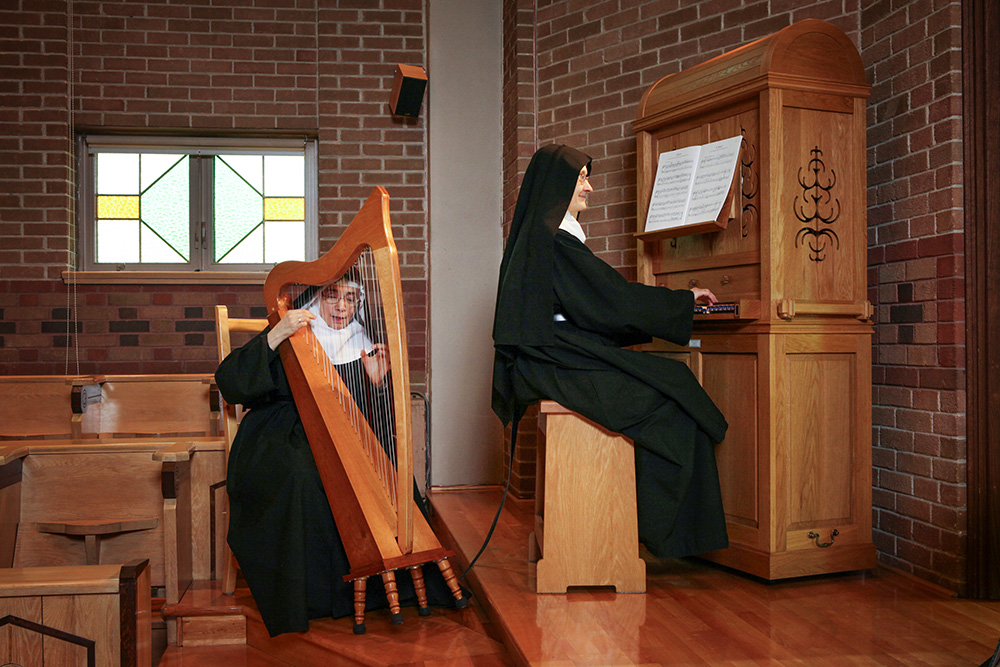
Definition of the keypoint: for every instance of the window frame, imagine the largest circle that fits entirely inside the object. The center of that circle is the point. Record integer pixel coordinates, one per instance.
(201, 151)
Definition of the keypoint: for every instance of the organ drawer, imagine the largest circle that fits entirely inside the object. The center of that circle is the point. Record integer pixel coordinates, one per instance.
(728, 283)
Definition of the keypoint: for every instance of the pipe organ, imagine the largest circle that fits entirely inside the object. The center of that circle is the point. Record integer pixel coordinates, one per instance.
(787, 353)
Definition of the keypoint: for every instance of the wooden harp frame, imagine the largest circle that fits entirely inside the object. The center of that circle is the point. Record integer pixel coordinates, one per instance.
(378, 538)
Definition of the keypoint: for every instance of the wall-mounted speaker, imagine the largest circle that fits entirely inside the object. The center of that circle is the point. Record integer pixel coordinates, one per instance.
(408, 90)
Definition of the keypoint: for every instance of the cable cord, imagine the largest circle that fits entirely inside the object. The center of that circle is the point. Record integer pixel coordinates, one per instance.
(506, 490)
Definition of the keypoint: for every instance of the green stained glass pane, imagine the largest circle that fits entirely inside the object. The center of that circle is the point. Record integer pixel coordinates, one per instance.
(249, 167)
(153, 249)
(284, 176)
(154, 165)
(248, 251)
(238, 210)
(166, 209)
(117, 173)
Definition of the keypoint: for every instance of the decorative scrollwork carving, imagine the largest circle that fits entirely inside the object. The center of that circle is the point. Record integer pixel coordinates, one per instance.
(817, 208)
(749, 184)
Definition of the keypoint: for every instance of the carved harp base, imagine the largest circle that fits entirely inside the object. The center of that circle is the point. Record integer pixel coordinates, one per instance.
(392, 594)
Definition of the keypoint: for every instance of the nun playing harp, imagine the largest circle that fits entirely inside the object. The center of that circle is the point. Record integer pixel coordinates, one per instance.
(563, 318)
(281, 528)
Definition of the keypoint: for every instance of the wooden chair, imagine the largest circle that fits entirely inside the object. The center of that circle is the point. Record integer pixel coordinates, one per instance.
(225, 326)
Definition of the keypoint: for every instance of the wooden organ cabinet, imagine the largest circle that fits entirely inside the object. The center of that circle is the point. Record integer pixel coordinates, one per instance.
(790, 364)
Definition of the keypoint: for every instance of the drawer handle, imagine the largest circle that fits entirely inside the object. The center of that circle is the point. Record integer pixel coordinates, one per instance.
(725, 280)
(823, 545)
(693, 282)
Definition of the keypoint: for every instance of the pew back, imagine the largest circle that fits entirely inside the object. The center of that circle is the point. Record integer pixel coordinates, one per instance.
(36, 406)
(164, 405)
(89, 614)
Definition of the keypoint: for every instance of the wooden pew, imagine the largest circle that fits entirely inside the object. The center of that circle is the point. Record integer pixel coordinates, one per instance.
(140, 479)
(115, 407)
(42, 406)
(108, 406)
(97, 615)
(157, 405)
(74, 502)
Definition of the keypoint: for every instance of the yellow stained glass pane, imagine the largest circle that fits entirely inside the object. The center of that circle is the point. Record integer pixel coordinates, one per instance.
(284, 208)
(118, 207)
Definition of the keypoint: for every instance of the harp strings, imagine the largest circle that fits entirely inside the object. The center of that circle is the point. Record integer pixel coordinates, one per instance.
(362, 400)
(382, 412)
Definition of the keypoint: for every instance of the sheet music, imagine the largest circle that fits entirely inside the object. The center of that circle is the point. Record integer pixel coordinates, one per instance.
(692, 184)
(672, 188)
(713, 178)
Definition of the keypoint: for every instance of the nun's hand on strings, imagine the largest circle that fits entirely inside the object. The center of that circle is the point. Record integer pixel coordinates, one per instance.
(376, 363)
(289, 324)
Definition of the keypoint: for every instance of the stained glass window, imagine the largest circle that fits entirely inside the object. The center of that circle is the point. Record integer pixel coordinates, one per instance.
(261, 215)
(195, 204)
(143, 204)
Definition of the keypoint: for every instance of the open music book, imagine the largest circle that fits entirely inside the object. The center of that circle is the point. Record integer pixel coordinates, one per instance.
(693, 185)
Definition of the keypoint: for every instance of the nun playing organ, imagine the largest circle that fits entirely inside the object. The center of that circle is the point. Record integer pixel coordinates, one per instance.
(562, 322)
(281, 529)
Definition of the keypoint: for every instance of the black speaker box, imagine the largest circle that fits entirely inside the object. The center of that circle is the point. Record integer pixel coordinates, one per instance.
(408, 90)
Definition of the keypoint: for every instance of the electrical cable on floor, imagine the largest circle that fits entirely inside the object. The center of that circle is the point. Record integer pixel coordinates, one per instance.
(506, 490)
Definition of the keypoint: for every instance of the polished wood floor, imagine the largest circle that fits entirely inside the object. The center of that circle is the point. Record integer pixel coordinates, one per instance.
(694, 613)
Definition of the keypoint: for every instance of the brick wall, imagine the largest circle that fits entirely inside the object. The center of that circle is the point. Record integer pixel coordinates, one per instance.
(198, 67)
(916, 280)
(592, 62)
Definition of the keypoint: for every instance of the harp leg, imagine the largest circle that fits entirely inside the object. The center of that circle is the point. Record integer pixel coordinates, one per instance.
(449, 578)
(392, 594)
(417, 573)
(360, 586)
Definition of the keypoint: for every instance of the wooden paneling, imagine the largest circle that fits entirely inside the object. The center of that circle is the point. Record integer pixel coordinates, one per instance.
(730, 380)
(18, 643)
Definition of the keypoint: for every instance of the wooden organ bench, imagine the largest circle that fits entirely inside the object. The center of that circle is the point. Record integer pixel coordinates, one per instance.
(586, 531)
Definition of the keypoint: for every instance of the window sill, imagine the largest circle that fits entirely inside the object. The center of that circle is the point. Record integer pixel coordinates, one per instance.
(164, 277)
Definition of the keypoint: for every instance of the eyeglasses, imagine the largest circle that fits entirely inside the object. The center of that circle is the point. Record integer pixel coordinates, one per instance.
(583, 178)
(349, 298)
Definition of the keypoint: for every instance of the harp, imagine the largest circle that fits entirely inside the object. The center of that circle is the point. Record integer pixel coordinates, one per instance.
(359, 428)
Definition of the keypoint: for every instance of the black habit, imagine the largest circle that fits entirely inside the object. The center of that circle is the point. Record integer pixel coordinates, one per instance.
(563, 318)
(281, 529)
